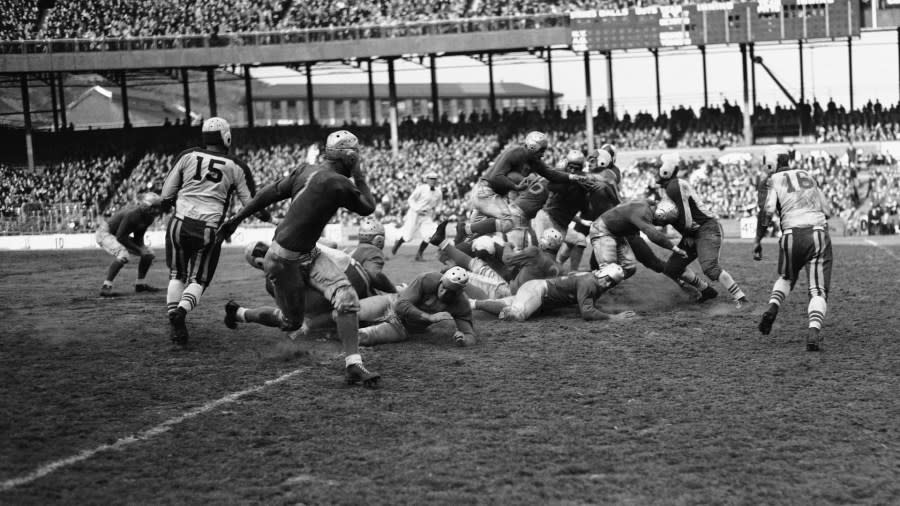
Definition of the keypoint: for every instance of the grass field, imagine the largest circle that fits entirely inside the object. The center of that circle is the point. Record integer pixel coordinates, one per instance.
(685, 405)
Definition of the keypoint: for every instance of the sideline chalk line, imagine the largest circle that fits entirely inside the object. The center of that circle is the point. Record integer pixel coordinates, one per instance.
(882, 248)
(163, 427)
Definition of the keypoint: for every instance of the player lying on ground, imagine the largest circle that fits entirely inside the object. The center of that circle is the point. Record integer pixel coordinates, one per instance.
(424, 202)
(581, 288)
(373, 296)
(200, 187)
(316, 191)
(490, 197)
(431, 298)
(616, 230)
(516, 267)
(795, 197)
(701, 234)
(122, 236)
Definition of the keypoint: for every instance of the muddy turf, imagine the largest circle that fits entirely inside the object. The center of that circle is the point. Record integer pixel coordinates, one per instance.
(685, 405)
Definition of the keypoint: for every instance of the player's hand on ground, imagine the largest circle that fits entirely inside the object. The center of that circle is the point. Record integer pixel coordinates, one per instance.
(678, 251)
(624, 315)
(440, 317)
(757, 251)
(462, 340)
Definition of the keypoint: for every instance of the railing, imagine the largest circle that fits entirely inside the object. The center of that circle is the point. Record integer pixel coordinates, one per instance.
(296, 36)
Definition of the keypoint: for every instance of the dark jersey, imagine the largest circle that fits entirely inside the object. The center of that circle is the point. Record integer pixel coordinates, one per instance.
(691, 213)
(531, 263)
(532, 199)
(598, 202)
(582, 288)
(631, 218)
(317, 193)
(564, 202)
(129, 225)
(419, 300)
(518, 159)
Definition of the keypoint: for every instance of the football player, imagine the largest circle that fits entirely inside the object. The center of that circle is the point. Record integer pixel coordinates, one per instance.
(122, 236)
(430, 298)
(616, 231)
(603, 197)
(424, 202)
(804, 210)
(200, 187)
(316, 192)
(490, 197)
(701, 234)
(581, 288)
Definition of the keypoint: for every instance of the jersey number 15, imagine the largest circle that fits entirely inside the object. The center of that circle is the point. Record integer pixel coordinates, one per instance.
(212, 174)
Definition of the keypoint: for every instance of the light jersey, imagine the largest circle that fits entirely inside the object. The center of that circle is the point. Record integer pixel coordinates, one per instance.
(203, 182)
(424, 200)
(794, 195)
(691, 211)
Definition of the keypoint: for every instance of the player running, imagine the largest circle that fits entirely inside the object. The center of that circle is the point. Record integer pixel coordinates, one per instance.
(700, 231)
(803, 209)
(316, 192)
(490, 197)
(431, 298)
(122, 236)
(602, 197)
(563, 203)
(583, 288)
(200, 187)
(424, 202)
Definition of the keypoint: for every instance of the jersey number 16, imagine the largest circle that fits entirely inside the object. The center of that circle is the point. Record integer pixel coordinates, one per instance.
(803, 181)
(213, 174)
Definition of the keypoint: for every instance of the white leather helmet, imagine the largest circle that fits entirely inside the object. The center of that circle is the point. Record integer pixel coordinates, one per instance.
(371, 231)
(609, 148)
(455, 278)
(220, 126)
(613, 272)
(342, 145)
(776, 158)
(255, 252)
(575, 158)
(604, 159)
(150, 199)
(536, 142)
(666, 212)
(484, 243)
(669, 167)
(550, 240)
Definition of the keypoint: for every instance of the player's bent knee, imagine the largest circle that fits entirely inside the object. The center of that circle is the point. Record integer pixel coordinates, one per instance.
(149, 257)
(712, 271)
(122, 260)
(345, 300)
(286, 324)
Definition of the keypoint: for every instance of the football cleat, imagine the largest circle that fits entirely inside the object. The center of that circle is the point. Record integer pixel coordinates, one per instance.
(706, 294)
(768, 318)
(145, 288)
(106, 291)
(440, 234)
(814, 340)
(231, 320)
(357, 373)
(742, 303)
(179, 332)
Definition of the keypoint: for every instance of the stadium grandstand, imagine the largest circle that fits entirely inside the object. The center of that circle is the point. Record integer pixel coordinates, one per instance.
(66, 58)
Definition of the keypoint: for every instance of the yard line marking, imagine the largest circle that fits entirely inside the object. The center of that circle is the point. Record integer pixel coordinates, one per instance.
(141, 436)
(889, 252)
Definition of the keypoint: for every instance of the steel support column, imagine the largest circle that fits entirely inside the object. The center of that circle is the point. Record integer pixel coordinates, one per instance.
(186, 91)
(850, 67)
(658, 89)
(26, 111)
(310, 113)
(588, 102)
(60, 83)
(248, 96)
(752, 48)
(705, 87)
(392, 92)
(435, 102)
(211, 90)
(51, 81)
(609, 83)
(372, 116)
(551, 98)
(123, 83)
(492, 98)
(802, 81)
(748, 128)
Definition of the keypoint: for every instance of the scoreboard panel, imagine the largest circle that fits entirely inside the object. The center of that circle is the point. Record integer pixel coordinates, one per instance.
(713, 23)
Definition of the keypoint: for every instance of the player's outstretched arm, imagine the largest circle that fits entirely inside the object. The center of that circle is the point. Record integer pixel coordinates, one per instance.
(266, 197)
